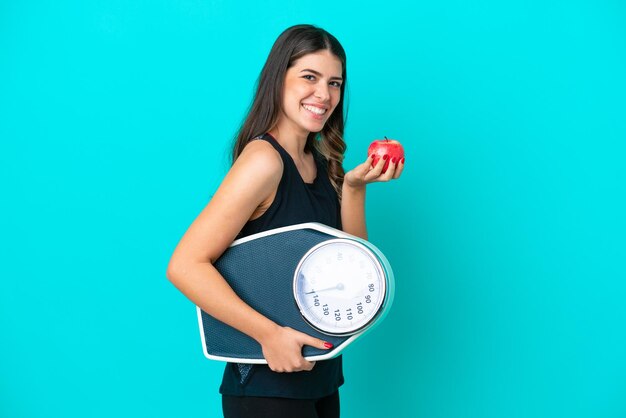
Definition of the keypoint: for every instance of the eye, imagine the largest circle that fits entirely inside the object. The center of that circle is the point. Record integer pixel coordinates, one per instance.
(309, 75)
(336, 84)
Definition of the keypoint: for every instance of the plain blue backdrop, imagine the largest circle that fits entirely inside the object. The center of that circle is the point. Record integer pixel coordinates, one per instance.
(506, 231)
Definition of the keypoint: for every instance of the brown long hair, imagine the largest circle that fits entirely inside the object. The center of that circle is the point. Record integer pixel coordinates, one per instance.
(266, 106)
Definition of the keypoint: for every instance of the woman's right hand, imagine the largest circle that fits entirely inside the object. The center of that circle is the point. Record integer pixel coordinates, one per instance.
(283, 349)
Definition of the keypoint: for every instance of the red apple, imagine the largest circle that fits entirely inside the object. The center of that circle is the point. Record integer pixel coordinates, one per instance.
(390, 147)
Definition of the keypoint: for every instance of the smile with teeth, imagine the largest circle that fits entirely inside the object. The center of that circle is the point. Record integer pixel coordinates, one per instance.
(314, 109)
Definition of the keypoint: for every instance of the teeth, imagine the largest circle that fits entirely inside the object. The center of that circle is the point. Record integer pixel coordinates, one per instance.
(315, 110)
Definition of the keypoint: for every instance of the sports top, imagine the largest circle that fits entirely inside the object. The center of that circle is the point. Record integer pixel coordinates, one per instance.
(295, 202)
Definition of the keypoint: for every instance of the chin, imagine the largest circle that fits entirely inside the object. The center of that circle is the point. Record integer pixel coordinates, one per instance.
(314, 127)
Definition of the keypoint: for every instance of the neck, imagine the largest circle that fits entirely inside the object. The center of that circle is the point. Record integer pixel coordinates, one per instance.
(292, 140)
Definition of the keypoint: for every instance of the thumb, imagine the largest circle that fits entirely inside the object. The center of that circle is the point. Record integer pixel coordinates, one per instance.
(366, 165)
(317, 343)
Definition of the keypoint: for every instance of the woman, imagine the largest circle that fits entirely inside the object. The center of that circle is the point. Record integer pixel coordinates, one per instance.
(287, 169)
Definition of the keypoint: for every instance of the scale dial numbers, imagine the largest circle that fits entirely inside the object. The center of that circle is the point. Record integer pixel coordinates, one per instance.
(339, 286)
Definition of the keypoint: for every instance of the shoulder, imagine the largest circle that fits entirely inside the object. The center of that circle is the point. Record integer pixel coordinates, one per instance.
(260, 158)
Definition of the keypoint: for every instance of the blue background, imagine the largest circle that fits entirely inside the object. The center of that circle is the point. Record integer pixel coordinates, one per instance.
(506, 231)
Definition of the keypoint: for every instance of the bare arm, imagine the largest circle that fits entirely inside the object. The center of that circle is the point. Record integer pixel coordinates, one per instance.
(353, 210)
(253, 178)
(353, 193)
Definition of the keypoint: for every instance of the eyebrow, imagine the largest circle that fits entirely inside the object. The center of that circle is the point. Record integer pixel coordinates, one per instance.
(317, 73)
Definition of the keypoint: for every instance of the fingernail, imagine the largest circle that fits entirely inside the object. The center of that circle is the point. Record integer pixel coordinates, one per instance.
(393, 160)
(385, 157)
(328, 345)
(402, 161)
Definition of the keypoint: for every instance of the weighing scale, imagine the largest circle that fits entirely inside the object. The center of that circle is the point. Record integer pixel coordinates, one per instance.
(310, 277)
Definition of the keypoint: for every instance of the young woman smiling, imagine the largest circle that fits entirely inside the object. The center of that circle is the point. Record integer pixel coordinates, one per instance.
(287, 169)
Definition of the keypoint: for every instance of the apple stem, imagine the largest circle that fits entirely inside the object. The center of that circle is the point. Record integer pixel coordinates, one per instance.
(386, 139)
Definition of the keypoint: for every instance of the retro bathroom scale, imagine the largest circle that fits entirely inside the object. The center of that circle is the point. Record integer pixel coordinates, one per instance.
(310, 277)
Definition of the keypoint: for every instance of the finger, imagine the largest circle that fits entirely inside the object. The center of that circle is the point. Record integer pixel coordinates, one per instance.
(386, 176)
(309, 366)
(391, 169)
(377, 174)
(399, 169)
(378, 168)
(364, 167)
(275, 368)
(317, 343)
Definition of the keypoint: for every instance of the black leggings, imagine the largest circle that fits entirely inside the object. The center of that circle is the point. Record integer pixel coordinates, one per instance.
(256, 407)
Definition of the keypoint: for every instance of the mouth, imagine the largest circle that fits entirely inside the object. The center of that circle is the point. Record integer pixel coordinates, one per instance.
(315, 112)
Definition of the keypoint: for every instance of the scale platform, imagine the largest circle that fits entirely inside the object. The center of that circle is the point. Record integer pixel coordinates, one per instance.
(276, 272)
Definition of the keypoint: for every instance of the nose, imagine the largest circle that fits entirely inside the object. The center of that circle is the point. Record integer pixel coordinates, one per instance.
(322, 92)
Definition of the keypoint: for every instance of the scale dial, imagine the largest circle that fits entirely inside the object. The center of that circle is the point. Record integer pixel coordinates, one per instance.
(339, 286)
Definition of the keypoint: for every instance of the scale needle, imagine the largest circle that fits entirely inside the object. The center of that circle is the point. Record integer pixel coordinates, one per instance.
(339, 286)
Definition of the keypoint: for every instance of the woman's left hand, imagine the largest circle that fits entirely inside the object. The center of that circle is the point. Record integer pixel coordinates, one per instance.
(364, 173)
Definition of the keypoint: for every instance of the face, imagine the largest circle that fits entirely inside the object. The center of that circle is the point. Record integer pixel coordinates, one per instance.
(312, 91)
